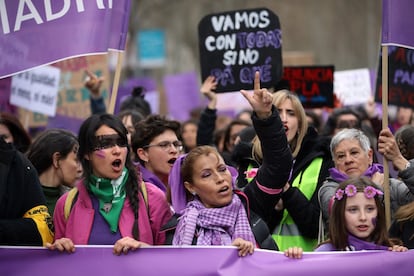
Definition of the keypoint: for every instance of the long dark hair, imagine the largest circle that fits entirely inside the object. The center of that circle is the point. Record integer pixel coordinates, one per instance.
(21, 139)
(86, 140)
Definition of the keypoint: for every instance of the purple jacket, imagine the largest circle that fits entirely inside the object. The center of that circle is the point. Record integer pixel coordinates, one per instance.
(78, 226)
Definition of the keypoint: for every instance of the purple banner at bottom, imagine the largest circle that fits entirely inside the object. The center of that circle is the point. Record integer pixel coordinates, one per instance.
(93, 260)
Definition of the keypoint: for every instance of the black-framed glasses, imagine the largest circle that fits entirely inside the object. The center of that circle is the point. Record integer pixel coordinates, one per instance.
(166, 145)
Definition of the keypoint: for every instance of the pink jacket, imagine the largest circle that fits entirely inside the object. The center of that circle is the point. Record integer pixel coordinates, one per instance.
(78, 226)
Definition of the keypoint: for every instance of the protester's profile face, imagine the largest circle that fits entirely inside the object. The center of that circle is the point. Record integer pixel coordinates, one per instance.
(289, 119)
(6, 134)
(212, 181)
(351, 159)
(69, 168)
(360, 215)
(127, 121)
(109, 154)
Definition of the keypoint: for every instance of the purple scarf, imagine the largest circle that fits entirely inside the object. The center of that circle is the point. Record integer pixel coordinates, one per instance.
(339, 176)
(217, 226)
(356, 244)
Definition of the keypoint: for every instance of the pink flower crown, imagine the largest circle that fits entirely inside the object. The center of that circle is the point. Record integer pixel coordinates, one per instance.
(350, 190)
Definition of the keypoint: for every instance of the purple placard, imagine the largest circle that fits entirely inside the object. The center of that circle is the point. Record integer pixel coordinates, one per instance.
(45, 32)
(64, 122)
(92, 260)
(182, 93)
(398, 23)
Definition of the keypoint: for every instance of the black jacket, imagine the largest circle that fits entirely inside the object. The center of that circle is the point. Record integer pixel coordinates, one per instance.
(20, 191)
(305, 212)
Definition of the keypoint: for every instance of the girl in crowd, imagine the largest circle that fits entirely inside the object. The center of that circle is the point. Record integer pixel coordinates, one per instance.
(357, 220)
(295, 219)
(352, 155)
(54, 155)
(260, 196)
(112, 205)
(156, 146)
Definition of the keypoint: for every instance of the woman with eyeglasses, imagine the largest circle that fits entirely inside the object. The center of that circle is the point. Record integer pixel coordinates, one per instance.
(156, 146)
(112, 205)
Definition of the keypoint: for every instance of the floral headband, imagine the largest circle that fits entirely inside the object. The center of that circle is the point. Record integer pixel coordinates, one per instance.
(350, 190)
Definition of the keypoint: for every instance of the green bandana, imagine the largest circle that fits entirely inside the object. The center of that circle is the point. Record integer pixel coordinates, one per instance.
(111, 196)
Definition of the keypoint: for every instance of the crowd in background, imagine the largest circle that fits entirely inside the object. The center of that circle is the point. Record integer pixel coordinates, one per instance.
(133, 178)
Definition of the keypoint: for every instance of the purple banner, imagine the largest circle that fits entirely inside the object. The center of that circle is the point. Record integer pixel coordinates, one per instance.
(182, 93)
(92, 260)
(35, 33)
(398, 23)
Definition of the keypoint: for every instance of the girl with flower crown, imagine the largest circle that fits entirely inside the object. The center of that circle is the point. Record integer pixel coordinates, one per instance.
(357, 220)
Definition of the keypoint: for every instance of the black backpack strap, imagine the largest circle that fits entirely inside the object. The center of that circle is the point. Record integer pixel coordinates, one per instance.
(259, 227)
(169, 229)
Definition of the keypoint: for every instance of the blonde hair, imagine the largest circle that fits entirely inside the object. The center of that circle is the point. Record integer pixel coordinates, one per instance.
(280, 97)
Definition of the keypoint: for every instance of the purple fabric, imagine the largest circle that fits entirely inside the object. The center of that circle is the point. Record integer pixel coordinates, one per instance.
(182, 93)
(175, 182)
(119, 25)
(93, 260)
(339, 176)
(148, 176)
(217, 226)
(70, 31)
(355, 244)
(397, 23)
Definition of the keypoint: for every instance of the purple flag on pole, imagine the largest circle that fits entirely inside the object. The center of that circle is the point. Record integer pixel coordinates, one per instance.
(93, 260)
(398, 23)
(35, 33)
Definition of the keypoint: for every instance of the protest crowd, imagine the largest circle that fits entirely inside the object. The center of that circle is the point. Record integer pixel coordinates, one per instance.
(283, 174)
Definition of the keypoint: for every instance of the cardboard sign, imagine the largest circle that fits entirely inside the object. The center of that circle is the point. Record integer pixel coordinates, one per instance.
(400, 77)
(234, 45)
(352, 87)
(36, 90)
(313, 84)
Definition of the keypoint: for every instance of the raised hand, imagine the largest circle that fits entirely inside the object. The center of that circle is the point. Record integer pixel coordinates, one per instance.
(260, 99)
(207, 89)
(93, 83)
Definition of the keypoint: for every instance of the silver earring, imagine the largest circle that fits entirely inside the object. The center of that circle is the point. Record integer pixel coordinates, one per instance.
(194, 193)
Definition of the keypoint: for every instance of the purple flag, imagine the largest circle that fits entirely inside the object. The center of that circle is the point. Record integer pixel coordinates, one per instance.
(398, 23)
(94, 260)
(35, 33)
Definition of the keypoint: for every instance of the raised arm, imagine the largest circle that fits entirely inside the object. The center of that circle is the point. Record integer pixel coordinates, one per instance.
(265, 191)
(207, 123)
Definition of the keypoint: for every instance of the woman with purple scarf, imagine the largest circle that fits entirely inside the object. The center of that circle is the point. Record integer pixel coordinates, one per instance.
(209, 209)
(352, 156)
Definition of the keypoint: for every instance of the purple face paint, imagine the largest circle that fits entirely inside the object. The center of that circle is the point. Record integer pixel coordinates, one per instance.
(374, 221)
(100, 153)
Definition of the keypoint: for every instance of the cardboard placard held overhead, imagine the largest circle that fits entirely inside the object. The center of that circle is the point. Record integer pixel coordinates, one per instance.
(400, 77)
(234, 45)
(312, 84)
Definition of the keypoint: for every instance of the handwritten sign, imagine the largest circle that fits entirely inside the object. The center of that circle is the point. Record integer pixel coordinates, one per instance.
(400, 77)
(234, 45)
(36, 90)
(352, 87)
(313, 84)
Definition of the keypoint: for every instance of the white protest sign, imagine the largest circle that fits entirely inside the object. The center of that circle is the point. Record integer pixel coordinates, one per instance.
(352, 87)
(36, 90)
